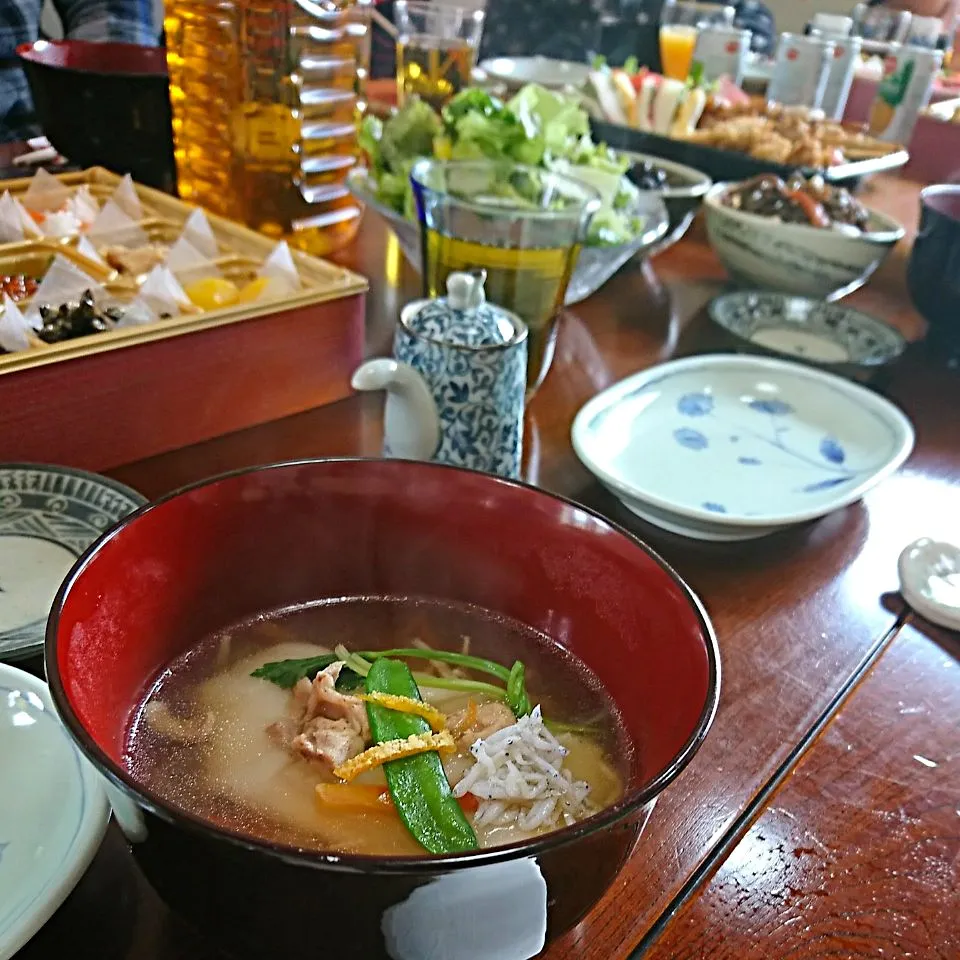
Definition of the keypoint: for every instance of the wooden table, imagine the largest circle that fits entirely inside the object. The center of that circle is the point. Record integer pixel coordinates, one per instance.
(822, 816)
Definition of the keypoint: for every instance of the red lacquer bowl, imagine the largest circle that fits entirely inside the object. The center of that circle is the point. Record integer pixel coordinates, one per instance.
(104, 104)
(252, 541)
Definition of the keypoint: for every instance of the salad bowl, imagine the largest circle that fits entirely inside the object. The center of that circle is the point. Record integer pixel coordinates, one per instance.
(595, 265)
(536, 128)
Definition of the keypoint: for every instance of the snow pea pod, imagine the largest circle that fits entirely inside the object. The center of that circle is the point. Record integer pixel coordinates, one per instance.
(418, 786)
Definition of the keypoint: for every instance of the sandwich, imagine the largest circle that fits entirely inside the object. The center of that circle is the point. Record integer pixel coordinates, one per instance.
(648, 101)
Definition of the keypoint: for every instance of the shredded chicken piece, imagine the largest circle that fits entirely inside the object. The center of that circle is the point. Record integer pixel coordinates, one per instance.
(161, 720)
(322, 699)
(325, 725)
(394, 750)
(477, 723)
(333, 741)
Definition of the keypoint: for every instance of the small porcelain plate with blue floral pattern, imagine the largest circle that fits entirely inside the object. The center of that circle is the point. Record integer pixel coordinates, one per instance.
(53, 810)
(724, 447)
(48, 516)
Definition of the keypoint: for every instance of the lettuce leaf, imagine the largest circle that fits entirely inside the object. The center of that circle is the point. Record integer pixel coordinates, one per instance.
(409, 134)
(480, 125)
(537, 127)
(558, 119)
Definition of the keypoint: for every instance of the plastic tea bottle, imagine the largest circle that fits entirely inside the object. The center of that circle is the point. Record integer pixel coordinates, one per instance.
(843, 65)
(906, 87)
(800, 71)
(265, 96)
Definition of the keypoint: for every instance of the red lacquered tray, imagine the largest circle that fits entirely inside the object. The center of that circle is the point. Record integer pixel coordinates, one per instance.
(100, 401)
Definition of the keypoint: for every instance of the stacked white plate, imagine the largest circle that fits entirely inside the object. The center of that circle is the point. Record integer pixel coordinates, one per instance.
(725, 447)
(517, 72)
(53, 810)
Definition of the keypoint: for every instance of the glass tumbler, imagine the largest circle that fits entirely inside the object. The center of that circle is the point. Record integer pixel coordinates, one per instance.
(436, 50)
(680, 24)
(524, 226)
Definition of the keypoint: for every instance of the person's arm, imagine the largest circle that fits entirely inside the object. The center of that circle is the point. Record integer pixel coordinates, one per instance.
(124, 21)
(951, 17)
(757, 17)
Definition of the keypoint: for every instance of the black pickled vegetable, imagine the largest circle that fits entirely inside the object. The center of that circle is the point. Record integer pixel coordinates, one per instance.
(648, 176)
(79, 319)
(419, 787)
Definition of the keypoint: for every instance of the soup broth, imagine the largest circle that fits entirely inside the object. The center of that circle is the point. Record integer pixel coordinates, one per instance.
(206, 740)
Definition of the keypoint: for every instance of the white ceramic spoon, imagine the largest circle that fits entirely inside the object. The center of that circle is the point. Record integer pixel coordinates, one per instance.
(930, 581)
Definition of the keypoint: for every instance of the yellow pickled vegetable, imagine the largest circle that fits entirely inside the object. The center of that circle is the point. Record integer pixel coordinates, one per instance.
(254, 290)
(408, 705)
(212, 293)
(394, 750)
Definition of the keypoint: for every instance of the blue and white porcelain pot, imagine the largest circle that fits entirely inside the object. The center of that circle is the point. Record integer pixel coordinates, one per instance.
(456, 383)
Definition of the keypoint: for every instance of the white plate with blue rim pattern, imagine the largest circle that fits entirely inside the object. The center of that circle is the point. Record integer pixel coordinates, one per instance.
(725, 447)
(53, 810)
(48, 517)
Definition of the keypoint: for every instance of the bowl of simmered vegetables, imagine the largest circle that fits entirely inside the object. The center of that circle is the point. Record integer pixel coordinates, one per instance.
(799, 236)
(304, 687)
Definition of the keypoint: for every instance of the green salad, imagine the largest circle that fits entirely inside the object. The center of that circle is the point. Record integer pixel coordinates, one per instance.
(537, 128)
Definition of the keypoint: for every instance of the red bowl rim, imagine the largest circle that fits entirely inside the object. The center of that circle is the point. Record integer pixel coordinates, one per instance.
(353, 863)
(31, 52)
(936, 190)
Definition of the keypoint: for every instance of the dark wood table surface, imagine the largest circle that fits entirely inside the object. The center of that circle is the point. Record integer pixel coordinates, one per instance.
(822, 816)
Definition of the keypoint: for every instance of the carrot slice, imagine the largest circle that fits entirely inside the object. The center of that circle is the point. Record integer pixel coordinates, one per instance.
(355, 796)
(469, 719)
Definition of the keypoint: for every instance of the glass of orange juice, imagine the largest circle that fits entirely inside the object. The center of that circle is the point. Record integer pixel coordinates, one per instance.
(680, 24)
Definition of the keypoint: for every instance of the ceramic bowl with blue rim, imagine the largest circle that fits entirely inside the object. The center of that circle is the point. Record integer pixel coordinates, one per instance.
(825, 335)
(53, 809)
(763, 253)
(48, 516)
(727, 447)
